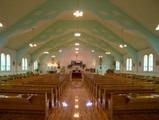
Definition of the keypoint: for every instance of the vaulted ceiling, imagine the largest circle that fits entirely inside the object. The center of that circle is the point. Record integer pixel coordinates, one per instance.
(105, 25)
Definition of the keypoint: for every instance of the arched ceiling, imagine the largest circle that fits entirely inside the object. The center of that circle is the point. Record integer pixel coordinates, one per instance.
(105, 25)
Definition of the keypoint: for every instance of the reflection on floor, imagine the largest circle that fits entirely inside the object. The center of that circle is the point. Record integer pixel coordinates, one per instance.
(76, 103)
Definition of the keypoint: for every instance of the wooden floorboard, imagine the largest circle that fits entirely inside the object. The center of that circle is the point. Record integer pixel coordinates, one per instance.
(76, 93)
(76, 90)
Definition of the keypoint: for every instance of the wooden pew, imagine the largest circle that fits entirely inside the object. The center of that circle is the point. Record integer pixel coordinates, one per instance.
(25, 103)
(133, 103)
(32, 88)
(42, 82)
(44, 85)
(106, 86)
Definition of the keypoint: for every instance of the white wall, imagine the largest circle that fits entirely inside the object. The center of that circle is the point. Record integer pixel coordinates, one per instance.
(91, 60)
(15, 68)
(156, 58)
(13, 59)
(19, 64)
(137, 69)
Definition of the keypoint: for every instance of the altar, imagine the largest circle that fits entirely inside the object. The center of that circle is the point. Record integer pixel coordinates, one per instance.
(76, 69)
(76, 74)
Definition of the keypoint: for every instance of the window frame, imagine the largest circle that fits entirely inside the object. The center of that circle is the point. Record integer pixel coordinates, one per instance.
(117, 65)
(150, 66)
(24, 64)
(129, 64)
(35, 65)
(8, 62)
(4, 67)
(3, 64)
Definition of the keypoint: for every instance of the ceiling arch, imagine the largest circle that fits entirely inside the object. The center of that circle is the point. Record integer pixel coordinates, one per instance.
(92, 26)
(86, 36)
(57, 16)
(87, 40)
(83, 44)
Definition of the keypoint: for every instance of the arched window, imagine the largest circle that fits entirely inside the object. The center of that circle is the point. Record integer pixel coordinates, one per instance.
(3, 62)
(8, 62)
(129, 64)
(35, 65)
(117, 65)
(145, 67)
(148, 62)
(24, 64)
(151, 62)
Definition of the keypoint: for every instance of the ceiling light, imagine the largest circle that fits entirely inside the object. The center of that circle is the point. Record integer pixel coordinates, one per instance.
(31, 45)
(121, 46)
(100, 56)
(77, 44)
(76, 48)
(107, 53)
(157, 28)
(125, 45)
(60, 51)
(1, 25)
(93, 51)
(53, 56)
(78, 13)
(77, 34)
(35, 45)
(46, 52)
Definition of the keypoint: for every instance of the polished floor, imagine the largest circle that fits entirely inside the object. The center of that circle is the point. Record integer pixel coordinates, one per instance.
(76, 104)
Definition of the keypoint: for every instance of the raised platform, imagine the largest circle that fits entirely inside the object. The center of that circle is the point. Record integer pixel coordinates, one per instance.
(76, 75)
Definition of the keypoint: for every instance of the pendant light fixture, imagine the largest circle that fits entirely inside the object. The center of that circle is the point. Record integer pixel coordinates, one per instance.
(122, 35)
(1, 25)
(157, 28)
(78, 13)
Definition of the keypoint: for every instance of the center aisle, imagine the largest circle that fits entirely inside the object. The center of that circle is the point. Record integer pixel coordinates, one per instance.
(76, 104)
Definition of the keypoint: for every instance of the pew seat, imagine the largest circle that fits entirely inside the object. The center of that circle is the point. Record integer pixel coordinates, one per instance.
(133, 103)
(25, 104)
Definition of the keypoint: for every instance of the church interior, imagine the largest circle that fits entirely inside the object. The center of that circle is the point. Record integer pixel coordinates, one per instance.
(79, 59)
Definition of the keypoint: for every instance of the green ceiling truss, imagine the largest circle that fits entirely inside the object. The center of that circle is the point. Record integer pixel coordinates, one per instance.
(50, 10)
(83, 43)
(101, 44)
(93, 39)
(52, 51)
(50, 45)
(116, 14)
(61, 26)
